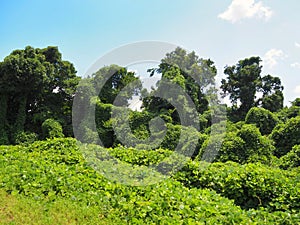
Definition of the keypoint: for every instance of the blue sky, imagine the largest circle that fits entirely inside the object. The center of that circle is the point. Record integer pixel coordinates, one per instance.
(225, 31)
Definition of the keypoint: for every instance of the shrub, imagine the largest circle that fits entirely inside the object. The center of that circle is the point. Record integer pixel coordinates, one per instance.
(291, 159)
(286, 135)
(249, 185)
(262, 118)
(103, 124)
(52, 129)
(256, 145)
(242, 146)
(26, 138)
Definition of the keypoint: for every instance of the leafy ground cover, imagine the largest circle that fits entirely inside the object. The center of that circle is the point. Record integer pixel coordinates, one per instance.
(49, 182)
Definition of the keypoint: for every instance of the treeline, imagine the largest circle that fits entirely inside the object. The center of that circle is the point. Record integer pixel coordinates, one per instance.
(38, 88)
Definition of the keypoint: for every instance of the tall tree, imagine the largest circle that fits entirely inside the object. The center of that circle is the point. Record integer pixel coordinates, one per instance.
(243, 80)
(112, 79)
(272, 98)
(35, 84)
(244, 83)
(191, 73)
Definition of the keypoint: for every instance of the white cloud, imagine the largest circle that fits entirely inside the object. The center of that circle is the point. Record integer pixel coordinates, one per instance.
(241, 9)
(297, 90)
(271, 58)
(135, 103)
(295, 65)
(297, 44)
(132, 71)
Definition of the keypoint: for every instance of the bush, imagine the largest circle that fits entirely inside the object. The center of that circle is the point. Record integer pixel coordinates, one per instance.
(256, 145)
(286, 135)
(26, 138)
(103, 124)
(139, 157)
(52, 129)
(242, 146)
(249, 185)
(55, 171)
(262, 118)
(291, 159)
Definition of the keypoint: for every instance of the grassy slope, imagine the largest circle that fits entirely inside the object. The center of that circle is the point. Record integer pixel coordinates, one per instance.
(50, 183)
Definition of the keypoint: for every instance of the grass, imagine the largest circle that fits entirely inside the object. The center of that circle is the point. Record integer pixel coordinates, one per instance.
(23, 211)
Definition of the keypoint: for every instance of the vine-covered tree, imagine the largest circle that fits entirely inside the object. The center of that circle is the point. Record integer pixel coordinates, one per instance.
(111, 80)
(272, 98)
(35, 84)
(243, 84)
(189, 72)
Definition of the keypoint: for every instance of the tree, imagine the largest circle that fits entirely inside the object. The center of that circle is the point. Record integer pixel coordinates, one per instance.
(296, 102)
(272, 98)
(21, 75)
(244, 83)
(110, 80)
(109, 86)
(35, 84)
(243, 80)
(191, 73)
(290, 112)
(58, 91)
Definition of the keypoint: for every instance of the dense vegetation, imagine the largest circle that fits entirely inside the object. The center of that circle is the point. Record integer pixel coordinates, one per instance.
(242, 168)
(54, 174)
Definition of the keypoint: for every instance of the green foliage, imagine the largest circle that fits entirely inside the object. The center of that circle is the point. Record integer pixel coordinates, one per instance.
(103, 124)
(191, 140)
(239, 145)
(291, 159)
(263, 119)
(191, 73)
(111, 80)
(250, 185)
(255, 144)
(290, 112)
(4, 139)
(172, 136)
(54, 172)
(139, 157)
(52, 129)
(272, 98)
(286, 135)
(26, 138)
(35, 84)
(19, 124)
(242, 84)
(17, 209)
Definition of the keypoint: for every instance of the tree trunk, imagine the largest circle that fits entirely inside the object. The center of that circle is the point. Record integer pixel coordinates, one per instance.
(3, 120)
(21, 116)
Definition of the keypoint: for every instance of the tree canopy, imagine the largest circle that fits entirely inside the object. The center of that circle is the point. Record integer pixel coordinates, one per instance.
(35, 84)
(244, 83)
